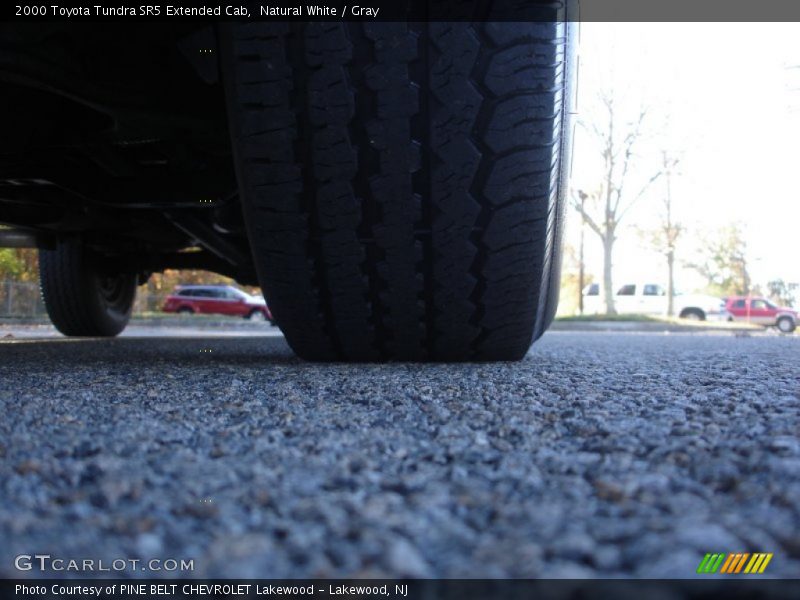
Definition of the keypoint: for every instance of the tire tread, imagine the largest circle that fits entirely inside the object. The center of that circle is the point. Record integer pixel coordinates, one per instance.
(401, 183)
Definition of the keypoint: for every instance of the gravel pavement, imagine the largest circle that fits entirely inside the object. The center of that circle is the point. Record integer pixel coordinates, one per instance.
(598, 455)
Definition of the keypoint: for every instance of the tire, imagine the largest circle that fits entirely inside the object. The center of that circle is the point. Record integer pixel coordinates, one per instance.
(785, 325)
(693, 314)
(81, 297)
(402, 184)
(185, 310)
(256, 315)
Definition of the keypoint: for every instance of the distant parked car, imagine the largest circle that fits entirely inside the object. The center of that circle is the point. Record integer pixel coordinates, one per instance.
(218, 300)
(757, 309)
(651, 299)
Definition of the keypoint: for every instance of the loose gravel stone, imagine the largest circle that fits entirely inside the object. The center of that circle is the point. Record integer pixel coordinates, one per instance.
(598, 455)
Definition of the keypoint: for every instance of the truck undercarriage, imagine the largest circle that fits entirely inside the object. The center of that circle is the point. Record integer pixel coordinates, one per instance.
(128, 147)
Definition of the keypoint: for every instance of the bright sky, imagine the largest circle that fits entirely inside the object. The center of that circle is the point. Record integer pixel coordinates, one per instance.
(725, 98)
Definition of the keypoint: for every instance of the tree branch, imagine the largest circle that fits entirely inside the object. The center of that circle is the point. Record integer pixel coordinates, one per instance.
(638, 196)
(628, 144)
(587, 218)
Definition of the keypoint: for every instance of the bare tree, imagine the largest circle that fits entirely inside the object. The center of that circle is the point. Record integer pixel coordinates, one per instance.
(665, 237)
(612, 200)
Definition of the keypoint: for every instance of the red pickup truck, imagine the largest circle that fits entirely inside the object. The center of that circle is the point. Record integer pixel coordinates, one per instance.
(756, 309)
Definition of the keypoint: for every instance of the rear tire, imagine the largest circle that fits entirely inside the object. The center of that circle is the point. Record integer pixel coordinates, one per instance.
(693, 314)
(403, 186)
(256, 316)
(81, 296)
(785, 325)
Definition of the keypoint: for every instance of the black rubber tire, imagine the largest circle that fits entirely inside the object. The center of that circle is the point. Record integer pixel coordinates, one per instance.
(695, 314)
(185, 310)
(81, 298)
(402, 184)
(253, 313)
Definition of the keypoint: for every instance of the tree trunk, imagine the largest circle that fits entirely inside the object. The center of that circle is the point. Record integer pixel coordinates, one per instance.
(580, 273)
(745, 279)
(671, 283)
(608, 246)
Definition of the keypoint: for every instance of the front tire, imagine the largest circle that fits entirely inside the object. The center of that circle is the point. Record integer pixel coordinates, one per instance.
(403, 186)
(82, 296)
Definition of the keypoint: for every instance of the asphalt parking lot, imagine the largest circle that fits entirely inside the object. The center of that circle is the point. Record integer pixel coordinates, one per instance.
(601, 454)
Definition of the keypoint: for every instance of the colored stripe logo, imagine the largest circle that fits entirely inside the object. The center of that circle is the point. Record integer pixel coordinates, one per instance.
(734, 563)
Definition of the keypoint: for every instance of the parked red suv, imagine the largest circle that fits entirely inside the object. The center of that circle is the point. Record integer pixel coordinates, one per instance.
(217, 299)
(757, 309)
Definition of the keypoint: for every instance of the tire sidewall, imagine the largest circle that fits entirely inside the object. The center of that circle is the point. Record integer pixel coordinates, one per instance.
(111, 318)
(693, 314)
(790, 325)
(552, 284)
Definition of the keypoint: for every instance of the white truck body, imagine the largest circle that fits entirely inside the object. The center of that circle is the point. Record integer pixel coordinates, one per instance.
(647, 298)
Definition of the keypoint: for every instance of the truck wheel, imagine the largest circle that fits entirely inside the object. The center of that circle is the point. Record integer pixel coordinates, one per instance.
(257, 315)
(693, 314)
(785, 325)
(81, 296)
(403, 184)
